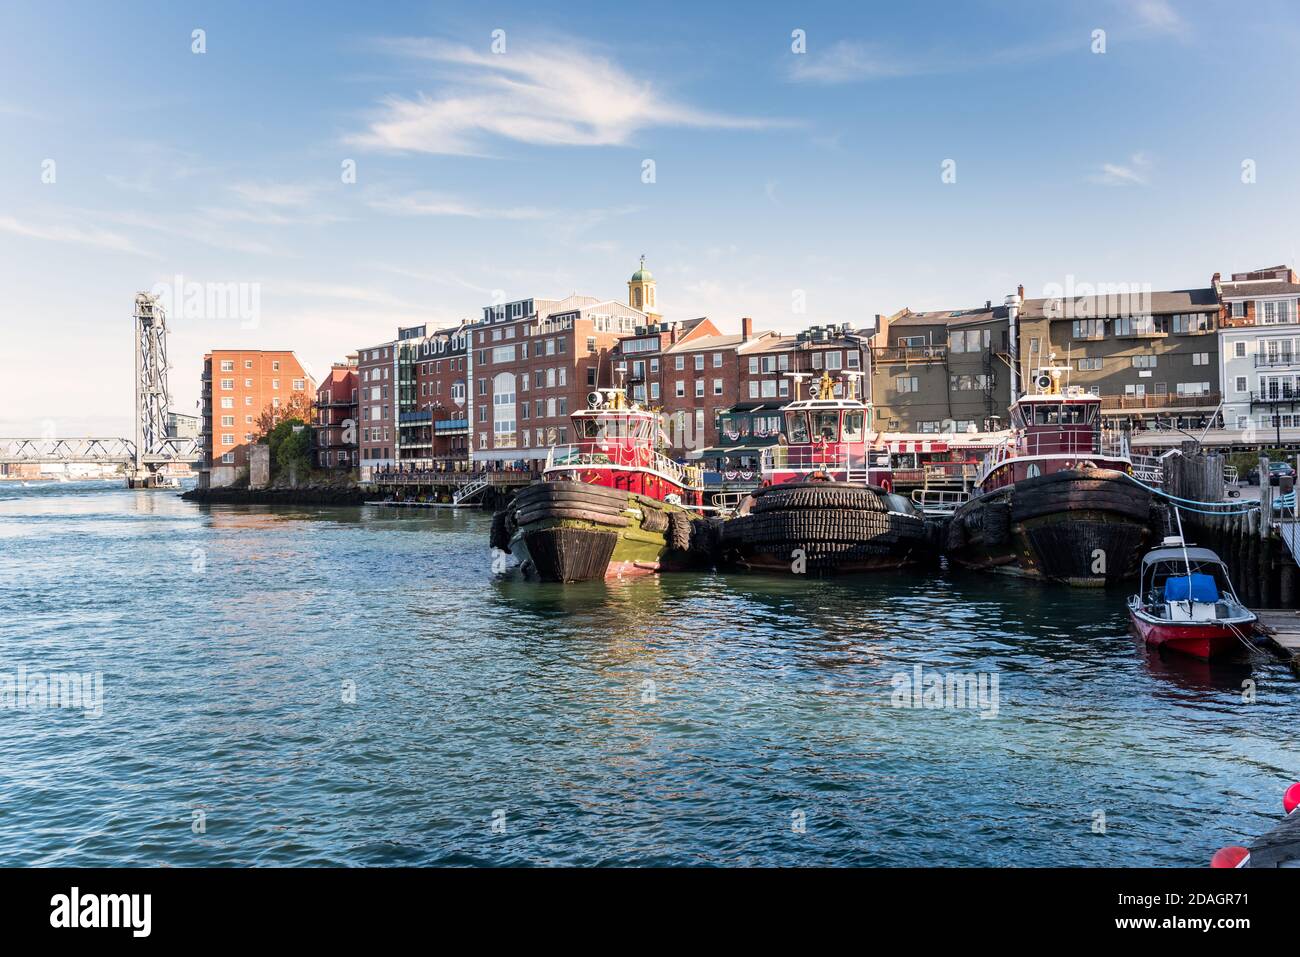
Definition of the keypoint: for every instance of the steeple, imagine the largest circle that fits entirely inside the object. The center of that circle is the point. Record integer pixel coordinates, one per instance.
(641, 291)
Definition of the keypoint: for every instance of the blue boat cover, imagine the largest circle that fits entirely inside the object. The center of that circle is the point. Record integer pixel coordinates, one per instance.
(1198, 586)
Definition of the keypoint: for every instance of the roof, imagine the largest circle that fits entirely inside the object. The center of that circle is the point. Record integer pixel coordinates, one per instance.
(704, 343)
(1125, 303)
(1253, 288)
(1175, 553)
(950, 317)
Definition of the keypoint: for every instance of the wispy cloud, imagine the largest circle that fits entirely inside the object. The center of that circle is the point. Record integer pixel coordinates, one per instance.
(1135, 173)
(549, 95)
(1159, 16)
(275, 204)
(850, 61)
(81, 235)
(439, 204)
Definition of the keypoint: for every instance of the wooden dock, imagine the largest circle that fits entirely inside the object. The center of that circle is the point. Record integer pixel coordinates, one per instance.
(1282, 626)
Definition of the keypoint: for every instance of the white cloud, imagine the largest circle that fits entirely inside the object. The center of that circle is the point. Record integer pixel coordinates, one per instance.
(1135, 173)
(88, 235)
(438, 204)
(848, 61)
(550, 95)
(1160, 17)
(276, 194)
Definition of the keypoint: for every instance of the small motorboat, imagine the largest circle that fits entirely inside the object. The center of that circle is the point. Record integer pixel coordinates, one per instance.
(1186, 602)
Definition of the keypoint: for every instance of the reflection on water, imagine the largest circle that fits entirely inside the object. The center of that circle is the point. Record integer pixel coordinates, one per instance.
(681, 719)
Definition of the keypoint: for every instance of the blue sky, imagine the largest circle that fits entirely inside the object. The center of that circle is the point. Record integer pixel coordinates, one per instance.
(520, 173)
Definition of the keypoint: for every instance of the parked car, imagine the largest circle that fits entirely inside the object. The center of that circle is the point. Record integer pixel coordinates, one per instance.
(1275, 472)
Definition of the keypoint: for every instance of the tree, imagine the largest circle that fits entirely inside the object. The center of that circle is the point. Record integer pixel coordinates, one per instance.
(300, 407)
(290, 445)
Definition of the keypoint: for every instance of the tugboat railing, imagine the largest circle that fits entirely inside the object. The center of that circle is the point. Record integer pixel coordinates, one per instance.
(576, 456)
(1054, 442)
(938, 502)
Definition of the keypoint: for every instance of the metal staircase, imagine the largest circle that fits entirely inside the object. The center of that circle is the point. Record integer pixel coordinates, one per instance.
(466, 492)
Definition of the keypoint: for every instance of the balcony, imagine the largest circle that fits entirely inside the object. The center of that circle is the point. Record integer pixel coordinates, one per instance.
(909, 354)
(1167, 401)
(1282, 359)
(1275, 397)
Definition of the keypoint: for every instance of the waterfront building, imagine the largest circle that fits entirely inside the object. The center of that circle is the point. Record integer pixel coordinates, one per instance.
(532, 362)
(334, 433)
(941, 371)
(1258, 338)
(237, 385)
(412, 405)
(377, 382)
(1151, 356)
(432, 427)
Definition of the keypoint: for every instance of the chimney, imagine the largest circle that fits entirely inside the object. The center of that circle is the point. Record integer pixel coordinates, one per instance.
(746, 328)
(672, 333)
(1020, 292)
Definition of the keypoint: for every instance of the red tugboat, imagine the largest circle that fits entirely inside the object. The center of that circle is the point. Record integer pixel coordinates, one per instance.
(1057, 501)
(610, 505)
(826, 503)
(1186, 603)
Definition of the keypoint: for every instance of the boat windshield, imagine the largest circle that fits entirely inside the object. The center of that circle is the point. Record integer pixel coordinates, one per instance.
(796, 426)
(853, 426)
(1064, 414)
(826, 425)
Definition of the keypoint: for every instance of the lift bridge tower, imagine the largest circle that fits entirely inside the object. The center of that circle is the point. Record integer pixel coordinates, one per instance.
(152, 399)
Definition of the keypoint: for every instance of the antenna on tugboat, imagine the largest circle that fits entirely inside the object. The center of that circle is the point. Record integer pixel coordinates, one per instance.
(850, 383)
(798, 378)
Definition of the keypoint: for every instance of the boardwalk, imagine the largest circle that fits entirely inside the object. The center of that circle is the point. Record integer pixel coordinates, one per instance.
(1282, 625)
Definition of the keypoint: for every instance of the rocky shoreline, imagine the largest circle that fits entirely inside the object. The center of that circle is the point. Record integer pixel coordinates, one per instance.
(318, 495)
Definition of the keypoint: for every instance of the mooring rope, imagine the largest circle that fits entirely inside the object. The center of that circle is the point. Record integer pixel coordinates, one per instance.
(1187, 502)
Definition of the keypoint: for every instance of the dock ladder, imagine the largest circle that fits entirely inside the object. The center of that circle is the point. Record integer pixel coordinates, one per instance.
(466, 492)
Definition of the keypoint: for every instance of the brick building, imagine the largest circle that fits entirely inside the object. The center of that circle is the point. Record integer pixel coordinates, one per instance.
(376, 399)
(532, 362)
(714, 387)
(237, 385)
(334, 436)
(432, 429)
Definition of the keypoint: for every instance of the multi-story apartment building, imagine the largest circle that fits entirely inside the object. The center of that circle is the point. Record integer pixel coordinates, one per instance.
(376, 401)
(432, 428)
(532, 362)
(334, 434)
(941, 371)
(413, 399)
(1151, 356)
(237, 385)
(718, 389)
(1258, 339)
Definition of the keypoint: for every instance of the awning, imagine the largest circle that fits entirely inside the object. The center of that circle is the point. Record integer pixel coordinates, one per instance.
(917, 445)
(735, 449)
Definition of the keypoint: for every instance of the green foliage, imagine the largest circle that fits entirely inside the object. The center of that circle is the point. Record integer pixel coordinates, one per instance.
(290, 450)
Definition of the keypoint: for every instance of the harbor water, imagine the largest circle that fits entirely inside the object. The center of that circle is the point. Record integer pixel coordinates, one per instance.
(319, 686)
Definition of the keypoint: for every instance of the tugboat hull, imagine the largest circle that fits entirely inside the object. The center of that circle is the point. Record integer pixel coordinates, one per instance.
(1083, 527)
(824, 528)
(572, 532)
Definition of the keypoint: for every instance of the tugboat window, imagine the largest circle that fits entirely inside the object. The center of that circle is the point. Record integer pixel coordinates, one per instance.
(826, 425)
(853, 427)
(797, 426)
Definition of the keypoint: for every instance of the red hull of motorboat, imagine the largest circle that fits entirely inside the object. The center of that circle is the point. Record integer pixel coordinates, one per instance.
(1200, 641)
